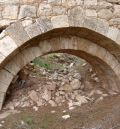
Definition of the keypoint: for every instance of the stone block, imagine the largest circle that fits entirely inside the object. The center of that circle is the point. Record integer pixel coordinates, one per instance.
(60, 21)
(27, 11)
(110, 60)
(91, 13)
(10, 12)
(44, 10)
(102, 26)
(3, 87)
(112, 33)
(44, 24)
(5, 77)
(17, 32)
(7, 46)
(76, 16)
(2, 96)
(31, 53)
(2, 57)
(90, 2)
(9, 1)
(45, 46)
(118, 38)
(12, 67)
(105, 14)
(90, 23)
(33, 30)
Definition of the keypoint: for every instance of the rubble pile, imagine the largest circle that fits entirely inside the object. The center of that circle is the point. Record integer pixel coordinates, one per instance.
(64, 85)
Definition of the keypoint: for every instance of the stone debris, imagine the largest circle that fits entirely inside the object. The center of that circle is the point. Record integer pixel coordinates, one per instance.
(63, 85)
(65, 117)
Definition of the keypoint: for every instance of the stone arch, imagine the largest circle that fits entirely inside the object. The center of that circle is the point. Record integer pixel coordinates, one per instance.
(93, 53)
(91, 36)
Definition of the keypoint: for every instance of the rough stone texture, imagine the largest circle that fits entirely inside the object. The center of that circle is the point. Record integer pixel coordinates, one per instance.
(105, 14)
(19, 36)
(97, 21)
(7, 45)
(44, 10)
(60, 21)
(27, 11)
(10, 12)
(33, 30)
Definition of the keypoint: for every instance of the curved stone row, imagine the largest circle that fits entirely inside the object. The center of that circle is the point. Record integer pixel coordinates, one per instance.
(66, 44)
(93, 29)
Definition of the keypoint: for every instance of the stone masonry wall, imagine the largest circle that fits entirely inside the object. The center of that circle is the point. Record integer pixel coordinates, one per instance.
(13, 10)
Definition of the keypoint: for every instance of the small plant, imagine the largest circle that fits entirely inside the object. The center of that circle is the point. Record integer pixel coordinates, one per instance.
(42, 63)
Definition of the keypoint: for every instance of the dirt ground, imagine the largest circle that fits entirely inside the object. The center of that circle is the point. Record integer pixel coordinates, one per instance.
(102, 115)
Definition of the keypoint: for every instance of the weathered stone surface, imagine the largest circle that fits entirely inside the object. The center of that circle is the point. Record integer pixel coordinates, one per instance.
(90, 2)
(10, 1)
(76, 16)
(57, 10)
(105, 14)
(10, 12)
(90, 23)
(27, 11)
(5, 77)
(54, 2)
(60, 21)
(7, 46)
(27, 22)
(33, 30)
(44, 10)
(44, 24)
(2, 95)
(33, 95)
(112, 33)
(5, 22)
(114, 21)
(91, 13)
(117, 11)
(12, 67)
(3, 87)
(102, 26)
(104, 5)
(20, 36)
(75, 84)
(45, 46)
(113, 1)
(30, 1)
(118, 37)
(2, 57)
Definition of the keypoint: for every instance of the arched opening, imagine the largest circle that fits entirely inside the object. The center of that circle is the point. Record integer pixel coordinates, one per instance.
(55, 79)
(97, 56)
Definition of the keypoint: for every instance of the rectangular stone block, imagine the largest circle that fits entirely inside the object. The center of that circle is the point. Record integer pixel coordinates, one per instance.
(44, 24)
(3, 87)
(112, 33)
(33, 30)
(7, 46)
(2, 95)
(10, 12)
(60, 21)
(1, 58)
(5, 77)
(118, 38)
(90, 23)
(12, 67)
(17, 32)
(0, 106)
